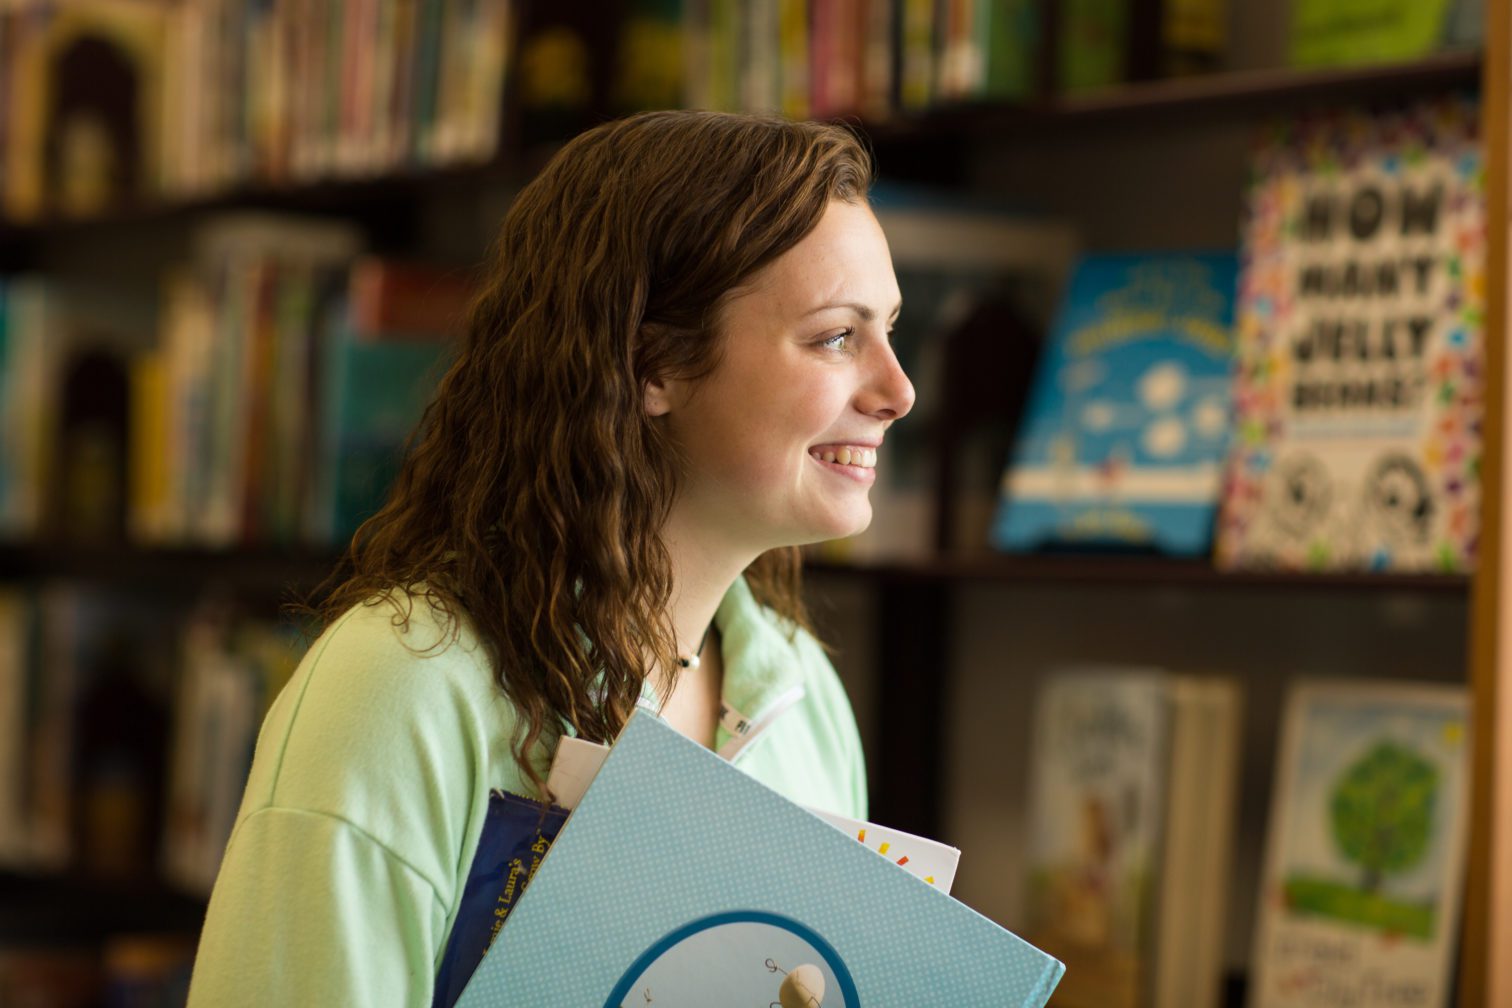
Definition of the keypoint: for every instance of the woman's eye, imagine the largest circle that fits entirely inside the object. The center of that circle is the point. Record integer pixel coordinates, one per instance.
(837, 341)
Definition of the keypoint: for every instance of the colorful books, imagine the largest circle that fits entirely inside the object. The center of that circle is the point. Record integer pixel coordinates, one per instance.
(1360, 897)
(1131, 802)
(1358, 395)
(680, 880)
(105, 102)
(1127, 425)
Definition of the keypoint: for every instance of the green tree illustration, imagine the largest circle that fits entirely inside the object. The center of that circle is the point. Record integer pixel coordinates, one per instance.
(1382, 811)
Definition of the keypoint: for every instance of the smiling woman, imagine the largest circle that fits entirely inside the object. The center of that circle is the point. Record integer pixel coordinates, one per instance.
(678, 371)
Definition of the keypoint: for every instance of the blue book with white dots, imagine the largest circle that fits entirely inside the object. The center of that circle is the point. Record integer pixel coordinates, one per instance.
(1124, 437)
(679, 880)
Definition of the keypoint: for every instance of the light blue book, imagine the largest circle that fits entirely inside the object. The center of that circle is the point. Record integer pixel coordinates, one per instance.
(681, 881)
(1127, 426)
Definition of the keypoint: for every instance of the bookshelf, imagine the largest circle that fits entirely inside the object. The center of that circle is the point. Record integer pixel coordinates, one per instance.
(908, 631)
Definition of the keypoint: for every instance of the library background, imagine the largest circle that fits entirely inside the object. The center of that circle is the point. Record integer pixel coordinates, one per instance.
(1180, 614)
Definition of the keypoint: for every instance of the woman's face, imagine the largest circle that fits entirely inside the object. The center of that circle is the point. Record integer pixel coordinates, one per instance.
(780, 439)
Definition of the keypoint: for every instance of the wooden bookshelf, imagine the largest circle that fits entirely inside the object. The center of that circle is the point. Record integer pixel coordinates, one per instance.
(1136, 570)
(915, 597)
(265, 570)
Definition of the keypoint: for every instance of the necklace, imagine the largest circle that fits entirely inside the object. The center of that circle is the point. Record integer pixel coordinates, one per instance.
(692, 660)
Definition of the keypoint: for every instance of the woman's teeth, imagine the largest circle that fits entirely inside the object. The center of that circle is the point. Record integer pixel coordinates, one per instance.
(866, 458)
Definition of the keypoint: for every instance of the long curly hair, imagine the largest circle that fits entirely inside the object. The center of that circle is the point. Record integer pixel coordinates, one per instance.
(534, 493)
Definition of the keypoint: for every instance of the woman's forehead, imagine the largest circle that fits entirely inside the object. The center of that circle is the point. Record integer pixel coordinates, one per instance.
(843, 263)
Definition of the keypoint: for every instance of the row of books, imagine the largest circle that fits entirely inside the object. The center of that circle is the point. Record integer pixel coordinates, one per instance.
(876, 58)
(1131, 829)
(125, 753)
(108, 102)
(105, 102)
(265, 400)
(827, 58)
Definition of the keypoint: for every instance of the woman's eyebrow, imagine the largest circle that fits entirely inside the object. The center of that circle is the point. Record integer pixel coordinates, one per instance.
(864, 311)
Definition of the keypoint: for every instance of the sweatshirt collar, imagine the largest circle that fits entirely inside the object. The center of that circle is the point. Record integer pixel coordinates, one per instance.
(762, 672)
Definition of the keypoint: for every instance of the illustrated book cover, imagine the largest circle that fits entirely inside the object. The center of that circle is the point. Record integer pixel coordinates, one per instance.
(1131, 799)
(1365, 854)
(1128, 419)
(680, 880)
(1358, 396)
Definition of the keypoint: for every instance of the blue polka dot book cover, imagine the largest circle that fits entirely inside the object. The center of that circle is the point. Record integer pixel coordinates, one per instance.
(679, 880)
(1365, 851)
(1127, 426)
(1358, 394)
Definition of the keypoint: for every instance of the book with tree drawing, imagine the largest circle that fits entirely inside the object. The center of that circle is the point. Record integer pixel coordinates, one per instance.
(1360, 895)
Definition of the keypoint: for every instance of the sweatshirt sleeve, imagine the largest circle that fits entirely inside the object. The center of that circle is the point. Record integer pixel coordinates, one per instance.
(367, 794)
(302, 903)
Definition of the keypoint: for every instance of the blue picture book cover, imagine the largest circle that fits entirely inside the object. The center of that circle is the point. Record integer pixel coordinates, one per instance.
(681, 881)
(1127, 426)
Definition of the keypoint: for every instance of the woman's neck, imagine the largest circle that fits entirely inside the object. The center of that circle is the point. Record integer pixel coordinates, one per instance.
(701, 575)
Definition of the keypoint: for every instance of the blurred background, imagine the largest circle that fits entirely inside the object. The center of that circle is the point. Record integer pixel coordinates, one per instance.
(1195, 302)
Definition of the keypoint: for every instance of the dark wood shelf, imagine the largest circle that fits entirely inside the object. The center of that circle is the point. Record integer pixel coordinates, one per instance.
(268, 571)
(271, 572)
(1228, 94)
(1273, 88)
(1131, 570)
(67, 908)
(330, 196)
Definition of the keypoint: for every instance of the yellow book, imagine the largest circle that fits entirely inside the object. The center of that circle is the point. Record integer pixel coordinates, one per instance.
(147, 460)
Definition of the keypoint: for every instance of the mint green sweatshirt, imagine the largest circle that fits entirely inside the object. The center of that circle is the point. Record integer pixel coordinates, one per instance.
(371, 783)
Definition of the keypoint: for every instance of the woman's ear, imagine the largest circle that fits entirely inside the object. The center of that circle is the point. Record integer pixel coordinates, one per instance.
(657, 398)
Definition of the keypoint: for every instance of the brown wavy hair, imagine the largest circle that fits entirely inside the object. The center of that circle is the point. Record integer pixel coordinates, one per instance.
(534, 493)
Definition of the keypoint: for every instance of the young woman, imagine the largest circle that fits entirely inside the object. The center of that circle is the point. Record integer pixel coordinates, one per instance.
(678, 371)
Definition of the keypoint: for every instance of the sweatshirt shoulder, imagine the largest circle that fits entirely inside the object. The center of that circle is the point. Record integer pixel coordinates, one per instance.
(394, 694)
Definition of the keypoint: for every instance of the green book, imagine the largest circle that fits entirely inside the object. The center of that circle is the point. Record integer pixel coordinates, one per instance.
(376, 393)
(1343, 32)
